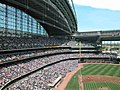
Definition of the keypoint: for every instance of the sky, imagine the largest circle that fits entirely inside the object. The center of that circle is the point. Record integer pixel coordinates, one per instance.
(97, 15)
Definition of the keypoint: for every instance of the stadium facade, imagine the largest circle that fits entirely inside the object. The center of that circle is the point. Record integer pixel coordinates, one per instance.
(38, 17)
(14, 22)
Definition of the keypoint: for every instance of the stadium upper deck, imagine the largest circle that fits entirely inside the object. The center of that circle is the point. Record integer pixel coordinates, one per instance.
(99, 36)
(102, 34)
(56, 16)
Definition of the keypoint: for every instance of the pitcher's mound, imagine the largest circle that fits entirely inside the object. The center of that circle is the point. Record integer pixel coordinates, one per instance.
(103, 88)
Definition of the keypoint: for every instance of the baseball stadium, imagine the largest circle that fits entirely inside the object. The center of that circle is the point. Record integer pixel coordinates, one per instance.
(42, 49)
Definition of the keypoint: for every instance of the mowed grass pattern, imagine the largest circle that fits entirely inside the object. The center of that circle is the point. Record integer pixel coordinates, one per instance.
(97, 85)
(101, 69)
(95, 69)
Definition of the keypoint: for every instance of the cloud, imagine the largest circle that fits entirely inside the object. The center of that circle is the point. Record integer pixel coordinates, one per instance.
(104, 4)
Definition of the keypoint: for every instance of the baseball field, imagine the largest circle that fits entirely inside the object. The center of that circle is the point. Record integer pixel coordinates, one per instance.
(96, 77)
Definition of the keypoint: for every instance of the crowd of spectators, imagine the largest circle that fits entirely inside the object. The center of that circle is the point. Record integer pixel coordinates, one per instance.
(27, 54)
(8, 73)
(98, 61)
(70, 43)
(41, 79)
(100, 55)
(8, 43)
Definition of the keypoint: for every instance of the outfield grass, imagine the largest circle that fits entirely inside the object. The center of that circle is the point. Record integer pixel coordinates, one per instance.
(97, 85)
(94, 69)
(101, 69)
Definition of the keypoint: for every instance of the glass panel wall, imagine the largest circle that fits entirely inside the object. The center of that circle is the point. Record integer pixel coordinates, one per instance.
(14, 22)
